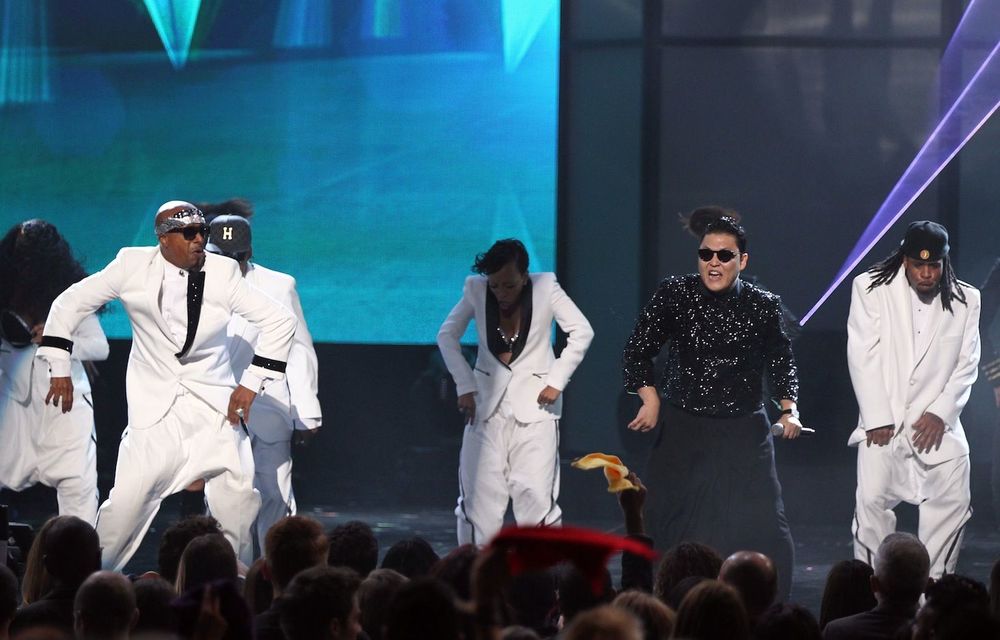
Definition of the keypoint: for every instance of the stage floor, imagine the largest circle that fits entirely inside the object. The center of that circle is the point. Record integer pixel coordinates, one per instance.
(817, 546)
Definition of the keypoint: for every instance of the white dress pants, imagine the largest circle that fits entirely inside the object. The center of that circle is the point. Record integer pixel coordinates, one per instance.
(40, 443)
(272, 466)
(192, 441)
(505, 460)
(892, 474)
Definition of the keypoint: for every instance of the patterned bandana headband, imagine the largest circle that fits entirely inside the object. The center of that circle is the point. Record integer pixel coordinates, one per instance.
(183, 218)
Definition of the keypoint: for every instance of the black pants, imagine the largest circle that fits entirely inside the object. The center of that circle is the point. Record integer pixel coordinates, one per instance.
(712, 480)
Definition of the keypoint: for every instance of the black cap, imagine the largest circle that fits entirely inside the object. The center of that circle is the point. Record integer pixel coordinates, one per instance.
(230, 237)
(925, 240)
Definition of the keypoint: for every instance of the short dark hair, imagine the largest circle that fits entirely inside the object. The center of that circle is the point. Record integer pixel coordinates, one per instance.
(682, 561)
(502, 253)
(104, 605)
(730, 227)
(176, 537)
(576, 591)
(700, 217)
(293, 544)
(412, 557)
(455, 569)
(72, 550)
(353, 545)
(153, 596)
(787, 620)
(315, 598)
(712, 610)
(375, 595)
(848, 590)
(207, 558)
(422, 608)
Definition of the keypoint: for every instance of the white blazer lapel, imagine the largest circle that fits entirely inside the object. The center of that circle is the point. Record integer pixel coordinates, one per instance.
(153, 284)
(937, 312)
(899, 289)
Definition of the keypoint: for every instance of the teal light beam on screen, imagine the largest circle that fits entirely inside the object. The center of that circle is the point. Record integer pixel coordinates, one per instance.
(175, 21)
(24, 54)
(304, 24)
(521, 20)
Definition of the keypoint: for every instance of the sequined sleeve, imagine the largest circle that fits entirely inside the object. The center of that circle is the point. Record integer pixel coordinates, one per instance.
(783, 378)
(652, 329)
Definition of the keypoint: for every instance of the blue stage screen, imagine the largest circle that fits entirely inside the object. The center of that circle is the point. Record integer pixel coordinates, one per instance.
(381, 152)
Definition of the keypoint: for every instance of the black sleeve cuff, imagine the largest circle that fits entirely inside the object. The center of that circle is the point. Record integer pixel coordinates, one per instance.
(267, 363)
(59, 343)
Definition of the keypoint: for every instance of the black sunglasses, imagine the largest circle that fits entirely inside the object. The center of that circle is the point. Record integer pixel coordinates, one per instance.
(191, 231)
(725, 255)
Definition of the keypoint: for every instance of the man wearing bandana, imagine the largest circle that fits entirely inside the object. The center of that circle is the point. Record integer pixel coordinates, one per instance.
(185, 408)
(913, 351)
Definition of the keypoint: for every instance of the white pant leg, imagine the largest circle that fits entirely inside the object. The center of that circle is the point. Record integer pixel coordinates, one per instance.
(273, 479)
(67, 458)
(944, 512)
(482, 476)
(533, 479)
(229, 490)
(877, 495)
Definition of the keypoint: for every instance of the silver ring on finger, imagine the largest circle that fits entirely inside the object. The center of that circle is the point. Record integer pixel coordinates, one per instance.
(239, 411)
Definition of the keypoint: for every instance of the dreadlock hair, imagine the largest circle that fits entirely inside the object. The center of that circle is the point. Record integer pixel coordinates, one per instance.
(233, 207)
(885, 272)
(699, 218)
(36, 265)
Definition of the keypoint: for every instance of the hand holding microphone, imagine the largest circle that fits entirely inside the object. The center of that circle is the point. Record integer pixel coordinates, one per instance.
(794, 427)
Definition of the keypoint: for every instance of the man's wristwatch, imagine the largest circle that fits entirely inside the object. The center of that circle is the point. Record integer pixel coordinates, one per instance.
(791, 412)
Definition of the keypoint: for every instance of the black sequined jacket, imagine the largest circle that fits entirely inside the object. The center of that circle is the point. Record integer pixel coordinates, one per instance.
(720, 347)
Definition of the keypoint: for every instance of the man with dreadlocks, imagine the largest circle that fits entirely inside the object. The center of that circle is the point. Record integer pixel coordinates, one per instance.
(913, 352)
(39, 443)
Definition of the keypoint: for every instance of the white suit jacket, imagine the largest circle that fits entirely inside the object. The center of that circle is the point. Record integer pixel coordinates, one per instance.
(896, 386)
(155, 374)
(535, 368)
(296, 395)
(17, 365)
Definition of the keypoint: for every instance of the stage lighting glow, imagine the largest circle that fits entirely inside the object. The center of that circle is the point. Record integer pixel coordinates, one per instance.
(24, 55)
(175, 21)
(521, 20)
(978, 100)
(304, 24)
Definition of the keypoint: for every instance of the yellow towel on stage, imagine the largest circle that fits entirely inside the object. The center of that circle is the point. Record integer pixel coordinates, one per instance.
(615, 472)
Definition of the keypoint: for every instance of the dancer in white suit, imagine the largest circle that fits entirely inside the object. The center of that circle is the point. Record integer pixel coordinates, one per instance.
(283, 408)
(512, 398)
(40, 443)
(913, 351)
(184, 414)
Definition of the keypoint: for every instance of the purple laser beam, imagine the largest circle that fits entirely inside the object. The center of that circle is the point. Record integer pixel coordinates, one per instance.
(941, 146)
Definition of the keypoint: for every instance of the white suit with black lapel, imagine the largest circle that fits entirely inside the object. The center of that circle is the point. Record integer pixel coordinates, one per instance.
(510, 451)
(178, 394)
(896, 385)
(282, 407)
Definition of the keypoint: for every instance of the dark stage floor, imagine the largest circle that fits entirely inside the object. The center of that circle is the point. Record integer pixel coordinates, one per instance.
(817, 546)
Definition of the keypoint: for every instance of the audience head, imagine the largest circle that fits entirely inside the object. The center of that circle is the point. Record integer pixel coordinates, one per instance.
(153, 596)
(678, 593)
(532, 598)
(257, 589)
(353, 545)
(321, 603)
(423, 608)
(292, 545)
(9, 598)
(787, 621)
(374, 595)
(901, 567)
(754, 577)
(604, 623)
(576, 592)
(221, 594)
(104, 607)
(657, 619)
(455, 570)
(412, 557)
(71, 551)
(518, 633)
(685, 560)
(848, 591)
(207, 558)
(953, 603)
(37, 581)
(712, 610)
(177, 537)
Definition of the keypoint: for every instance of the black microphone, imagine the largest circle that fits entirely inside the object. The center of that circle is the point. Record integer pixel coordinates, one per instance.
(777, 429)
